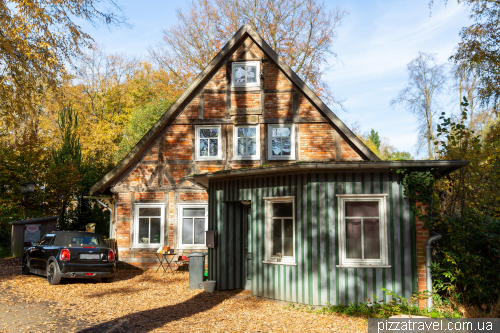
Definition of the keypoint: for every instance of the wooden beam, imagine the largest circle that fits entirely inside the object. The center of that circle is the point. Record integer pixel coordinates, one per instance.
(201, 105)
(228, 89)
(337, 143)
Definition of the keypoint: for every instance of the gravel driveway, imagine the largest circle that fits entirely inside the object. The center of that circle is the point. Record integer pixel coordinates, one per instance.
(141, 301)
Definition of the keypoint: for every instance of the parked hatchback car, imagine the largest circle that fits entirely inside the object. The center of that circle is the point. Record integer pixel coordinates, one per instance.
(70, 254)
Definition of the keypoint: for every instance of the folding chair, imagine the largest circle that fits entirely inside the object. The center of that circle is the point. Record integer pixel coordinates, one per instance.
(182, 262)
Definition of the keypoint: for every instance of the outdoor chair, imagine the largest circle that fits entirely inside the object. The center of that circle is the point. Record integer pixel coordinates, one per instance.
(182, 262)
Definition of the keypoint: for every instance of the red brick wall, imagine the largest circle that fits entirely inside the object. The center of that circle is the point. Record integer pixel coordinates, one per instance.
(191, 111)
(316, 141)
(248, 100)
(139, 175)
(274, 78)
(178, 143)
(348, 153)
(218, 81)
(215, 106)
(306, 109)
(279, 105)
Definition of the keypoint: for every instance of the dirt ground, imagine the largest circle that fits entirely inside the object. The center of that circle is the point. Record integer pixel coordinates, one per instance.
(140, 301)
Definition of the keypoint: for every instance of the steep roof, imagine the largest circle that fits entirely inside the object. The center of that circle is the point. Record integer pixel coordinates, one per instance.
(197, 84)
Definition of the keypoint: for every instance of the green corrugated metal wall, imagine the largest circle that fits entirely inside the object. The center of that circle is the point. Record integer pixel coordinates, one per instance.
(315, 280)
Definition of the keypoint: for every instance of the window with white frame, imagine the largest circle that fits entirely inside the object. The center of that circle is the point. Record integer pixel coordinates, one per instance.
(193, 222)
(363, 230)
(281, 142)
(246, 142)
(246, 74)
(208, 145)
(149, 225)
(280, 229)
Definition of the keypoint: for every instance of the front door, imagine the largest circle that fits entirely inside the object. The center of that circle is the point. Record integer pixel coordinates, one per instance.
(247, 253)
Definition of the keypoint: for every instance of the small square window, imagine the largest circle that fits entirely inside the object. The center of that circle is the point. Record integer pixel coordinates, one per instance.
(149, 222)
(193, 224)
(363, 230)
(246, 74)
(208, 145)
(281, 142)
(246, 143)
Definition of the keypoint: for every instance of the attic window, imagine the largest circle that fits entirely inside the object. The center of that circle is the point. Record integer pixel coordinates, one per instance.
(246, 74)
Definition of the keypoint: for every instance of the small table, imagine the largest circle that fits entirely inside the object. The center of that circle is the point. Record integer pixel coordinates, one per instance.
(163, 257)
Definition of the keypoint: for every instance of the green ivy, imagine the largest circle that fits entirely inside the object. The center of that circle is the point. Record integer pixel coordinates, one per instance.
(418, 186)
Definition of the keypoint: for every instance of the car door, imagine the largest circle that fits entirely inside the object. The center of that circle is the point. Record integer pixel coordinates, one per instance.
(37, 253)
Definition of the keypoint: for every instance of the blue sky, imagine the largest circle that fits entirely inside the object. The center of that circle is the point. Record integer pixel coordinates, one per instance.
(375, 42)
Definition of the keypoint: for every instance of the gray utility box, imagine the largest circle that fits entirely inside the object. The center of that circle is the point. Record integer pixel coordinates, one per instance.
(196, 269)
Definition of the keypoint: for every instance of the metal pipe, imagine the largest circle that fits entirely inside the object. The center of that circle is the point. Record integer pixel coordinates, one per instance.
(110, 217)
(428, 259)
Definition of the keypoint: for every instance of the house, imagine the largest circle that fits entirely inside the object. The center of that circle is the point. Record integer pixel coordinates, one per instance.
(303, 210)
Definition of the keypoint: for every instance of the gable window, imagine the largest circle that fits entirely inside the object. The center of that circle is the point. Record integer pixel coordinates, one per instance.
(193, 224)
(246, 74)
(280, 230)
(149, 225)
(208, 145)
(281, 142)
(363, 230)
(246, 143)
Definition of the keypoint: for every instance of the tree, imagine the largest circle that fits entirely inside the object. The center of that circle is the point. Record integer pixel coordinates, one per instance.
(426, 81)
(300, 31)
(478, 52)
(36, 39)
(374, 138)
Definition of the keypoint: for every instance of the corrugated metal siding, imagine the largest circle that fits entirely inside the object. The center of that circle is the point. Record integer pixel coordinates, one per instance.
(315, 280)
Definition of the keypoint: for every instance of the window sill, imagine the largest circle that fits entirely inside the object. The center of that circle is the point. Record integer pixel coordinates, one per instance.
(287, 263)
(253, 87)
(363, 266)
(208, 159)
(281, 158)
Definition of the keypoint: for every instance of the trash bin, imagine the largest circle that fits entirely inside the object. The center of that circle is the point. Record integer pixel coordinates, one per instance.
(196, 269)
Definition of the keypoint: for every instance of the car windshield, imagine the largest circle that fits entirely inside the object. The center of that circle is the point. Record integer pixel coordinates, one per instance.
(85, 240)
(46, 240)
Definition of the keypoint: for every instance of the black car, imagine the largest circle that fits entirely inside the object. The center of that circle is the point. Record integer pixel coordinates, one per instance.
(70, 254)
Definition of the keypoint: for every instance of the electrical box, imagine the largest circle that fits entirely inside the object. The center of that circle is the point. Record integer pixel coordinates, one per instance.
(211, 239)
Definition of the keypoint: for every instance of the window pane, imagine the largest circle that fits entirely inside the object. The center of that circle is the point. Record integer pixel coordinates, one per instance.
(187, 231)
(144, 231)
(149, 211)
(286, 146)
(361, 208)
(280, 131)
(288, 248)
(209, 133)
(154, 237)
(353, 239)
(282, 209)
(214, 147)
(199, 231)
(251, 147)
(193, 212)
(204, 147)
(371, 238)
(276, 146)
(277, 236)
(251, 74)
(242, 147)
(247, 132)
(239, 74)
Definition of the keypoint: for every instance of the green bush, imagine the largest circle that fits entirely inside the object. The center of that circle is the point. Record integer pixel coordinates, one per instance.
(467, 262)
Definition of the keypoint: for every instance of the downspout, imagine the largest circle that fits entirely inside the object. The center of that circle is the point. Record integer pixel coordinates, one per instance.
(428, 259)
(110, 217)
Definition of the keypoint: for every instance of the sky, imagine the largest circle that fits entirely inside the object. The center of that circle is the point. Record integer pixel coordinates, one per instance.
(375, 42)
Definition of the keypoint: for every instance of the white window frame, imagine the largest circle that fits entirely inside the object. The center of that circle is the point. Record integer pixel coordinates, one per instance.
(235, 143)
(197, 144)
(292, 142)
(383, 262)
(270, 258)
(136, 225)
(182, 246)
(246, 63)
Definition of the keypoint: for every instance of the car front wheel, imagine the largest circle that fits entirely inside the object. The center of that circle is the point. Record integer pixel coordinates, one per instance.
(53, 275)
(25, 268)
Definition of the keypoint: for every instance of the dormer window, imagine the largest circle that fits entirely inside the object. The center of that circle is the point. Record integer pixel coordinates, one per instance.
(246, 74)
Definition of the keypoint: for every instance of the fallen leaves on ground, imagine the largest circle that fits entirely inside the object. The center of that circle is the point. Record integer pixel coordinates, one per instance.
(145, 301)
